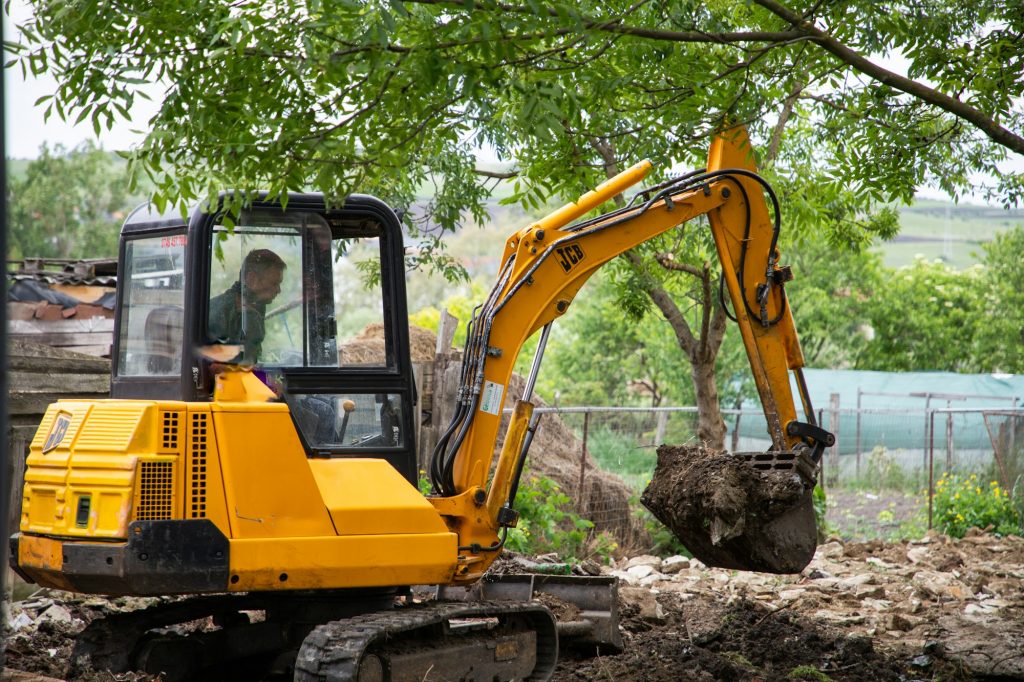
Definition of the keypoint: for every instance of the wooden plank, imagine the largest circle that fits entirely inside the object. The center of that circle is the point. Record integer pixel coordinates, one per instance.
(85, 365)
(98, 351)
(35, 404)
(65, 339)
(446, 331)
(57, 382)
(72, 325)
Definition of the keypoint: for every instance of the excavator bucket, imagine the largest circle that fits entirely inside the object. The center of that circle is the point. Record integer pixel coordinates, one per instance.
(746, 511)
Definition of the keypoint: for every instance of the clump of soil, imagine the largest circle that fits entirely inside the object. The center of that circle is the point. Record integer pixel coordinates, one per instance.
(731, 515)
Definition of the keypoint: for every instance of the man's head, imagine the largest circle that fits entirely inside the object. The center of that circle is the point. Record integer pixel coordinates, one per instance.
(262, 273)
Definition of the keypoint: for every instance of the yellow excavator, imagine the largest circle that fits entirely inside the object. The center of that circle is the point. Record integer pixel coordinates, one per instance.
(249, 459)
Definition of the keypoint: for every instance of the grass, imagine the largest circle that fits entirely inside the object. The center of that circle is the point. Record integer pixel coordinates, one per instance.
(620, 454)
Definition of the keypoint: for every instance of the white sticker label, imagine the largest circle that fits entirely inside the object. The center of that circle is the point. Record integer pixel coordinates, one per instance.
(490, 401)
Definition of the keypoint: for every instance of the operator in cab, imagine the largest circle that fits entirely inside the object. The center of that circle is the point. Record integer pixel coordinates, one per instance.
(238, 316)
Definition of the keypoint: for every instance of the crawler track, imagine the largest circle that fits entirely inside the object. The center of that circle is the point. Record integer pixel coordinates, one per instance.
(334, 652)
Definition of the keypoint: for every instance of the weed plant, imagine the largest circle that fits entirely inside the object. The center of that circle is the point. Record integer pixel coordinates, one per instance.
(967, 501)
(547, 524)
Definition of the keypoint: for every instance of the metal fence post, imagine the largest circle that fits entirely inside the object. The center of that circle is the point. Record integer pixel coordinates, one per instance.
(833, 419)
(860, 392)
(659, 433)
(583, 460)
(931, 466)
(949, 437)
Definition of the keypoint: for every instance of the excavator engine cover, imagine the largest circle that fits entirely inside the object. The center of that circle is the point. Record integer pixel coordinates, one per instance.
(746, 511)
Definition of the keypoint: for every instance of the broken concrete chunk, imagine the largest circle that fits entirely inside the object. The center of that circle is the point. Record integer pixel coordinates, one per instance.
(674, 564)
(645, 560)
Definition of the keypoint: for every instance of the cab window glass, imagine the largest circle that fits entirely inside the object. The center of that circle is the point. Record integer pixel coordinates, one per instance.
(152, 307)
(356, 420)
(289, 289)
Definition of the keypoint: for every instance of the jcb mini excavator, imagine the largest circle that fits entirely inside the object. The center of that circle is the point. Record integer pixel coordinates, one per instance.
(247, 460)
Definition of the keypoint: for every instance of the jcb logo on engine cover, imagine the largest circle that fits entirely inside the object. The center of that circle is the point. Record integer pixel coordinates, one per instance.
(569, 256)
(57, 431)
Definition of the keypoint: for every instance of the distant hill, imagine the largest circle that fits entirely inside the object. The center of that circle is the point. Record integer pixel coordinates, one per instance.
(948, 231)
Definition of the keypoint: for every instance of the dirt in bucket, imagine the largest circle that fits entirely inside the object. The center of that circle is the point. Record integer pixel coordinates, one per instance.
(731, 515)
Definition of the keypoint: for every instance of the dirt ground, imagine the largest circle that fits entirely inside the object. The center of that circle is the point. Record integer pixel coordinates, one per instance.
(932, 609)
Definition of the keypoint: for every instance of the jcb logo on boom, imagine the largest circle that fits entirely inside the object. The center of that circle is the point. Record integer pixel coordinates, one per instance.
(569, 256)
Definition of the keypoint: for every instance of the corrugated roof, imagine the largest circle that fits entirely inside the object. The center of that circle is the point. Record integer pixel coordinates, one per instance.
(94, 271)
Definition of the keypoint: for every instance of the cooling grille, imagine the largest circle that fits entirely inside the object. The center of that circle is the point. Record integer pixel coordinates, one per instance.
(156, 488)
(197, 466)
(170, 430)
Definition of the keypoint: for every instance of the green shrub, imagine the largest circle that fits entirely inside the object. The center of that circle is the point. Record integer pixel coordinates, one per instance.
(548, 524)
(963, 502)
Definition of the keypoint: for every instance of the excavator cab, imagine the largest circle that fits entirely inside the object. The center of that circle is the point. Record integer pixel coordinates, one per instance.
(275, 291)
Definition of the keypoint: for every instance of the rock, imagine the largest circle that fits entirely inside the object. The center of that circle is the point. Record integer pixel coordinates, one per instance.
(674, 564)
(880, 605)
(651, 579)
(855, 581)
(649, 608)
(791, 595)
(644, 560)
(922, 661)
(640, 572)
(838, 618)
(917, 555)
(879, 563)
(627, 578)
(56, 613)
(869, 592)
(830, 550)
(897, 622)
(939, 585)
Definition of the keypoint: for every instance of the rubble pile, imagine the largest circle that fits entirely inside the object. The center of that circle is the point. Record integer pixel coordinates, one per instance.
(931, 603)
(927, 609)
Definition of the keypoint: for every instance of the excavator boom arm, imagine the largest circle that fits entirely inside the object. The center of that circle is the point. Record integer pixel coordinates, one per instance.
(545, 265)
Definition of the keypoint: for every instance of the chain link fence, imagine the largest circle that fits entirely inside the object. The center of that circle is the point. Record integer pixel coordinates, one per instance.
(902, 450)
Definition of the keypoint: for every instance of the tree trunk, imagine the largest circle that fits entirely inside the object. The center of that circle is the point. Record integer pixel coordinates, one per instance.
(710, 425)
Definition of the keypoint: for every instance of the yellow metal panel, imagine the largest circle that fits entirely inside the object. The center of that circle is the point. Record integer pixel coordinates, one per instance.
(118, 426)
(38, 509)
(58, 455)
(351, 561)
(110, 510)
(369, 497)
(269, 487)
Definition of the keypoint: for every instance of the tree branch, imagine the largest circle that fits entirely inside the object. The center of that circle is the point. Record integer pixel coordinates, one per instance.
(980, 120)
(669, 310)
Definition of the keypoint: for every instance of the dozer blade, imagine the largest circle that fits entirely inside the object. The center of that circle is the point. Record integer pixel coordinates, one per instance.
(746, 511)
(586, 609)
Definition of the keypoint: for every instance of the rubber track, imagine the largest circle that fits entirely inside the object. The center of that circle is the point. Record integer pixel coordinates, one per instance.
(332, 652)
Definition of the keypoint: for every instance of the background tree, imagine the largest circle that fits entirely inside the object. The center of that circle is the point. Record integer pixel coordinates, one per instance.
(1000, 334)
(69, 204)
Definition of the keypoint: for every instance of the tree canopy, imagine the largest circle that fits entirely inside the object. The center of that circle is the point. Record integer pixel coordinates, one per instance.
(387, 95)
(391, 96)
